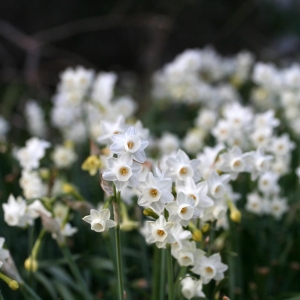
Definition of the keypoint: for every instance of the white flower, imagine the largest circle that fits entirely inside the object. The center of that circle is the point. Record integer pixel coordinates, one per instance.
(208, 159)
(99, 220)
(160, 232)
(181, 167)
(187, 255)
(268, 183)
(197, 192)
(122, 171)
(259, 162)
(183, 210)
(168, 143)
(155, 192)
(278, 206)
(76, 79)
(14, 211)
(266, 119)
(32, 185)
(281, 145)
(191, 288)
(111, 128)
(233, 162)
(103, 88)
(193, 141)
(217, 185)
(130, 143)
(210, 268)
(4, 254)
(35, 119)
(63, 157)
(125, 105)
(30, 155)
(206, 119)
(180, 236)
(254, 203)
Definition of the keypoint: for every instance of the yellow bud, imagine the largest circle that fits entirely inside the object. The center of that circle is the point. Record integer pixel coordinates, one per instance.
(92, 164)
(31, 264)
(197, 235)
(13, 285)
(68, 188)
(150, 213)
(205, 228)
(235, 215)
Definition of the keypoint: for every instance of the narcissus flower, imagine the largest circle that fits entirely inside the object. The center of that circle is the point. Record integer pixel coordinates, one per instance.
(99, 220)
(160, 232)
(122, 171)
(210, 268)
(130, 143)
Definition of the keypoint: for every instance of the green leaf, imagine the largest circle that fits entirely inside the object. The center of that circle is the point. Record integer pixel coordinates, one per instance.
(64, 292)
(61, 275)
(46, 283)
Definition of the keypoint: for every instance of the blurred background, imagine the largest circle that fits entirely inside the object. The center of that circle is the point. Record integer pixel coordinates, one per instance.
(39, 39)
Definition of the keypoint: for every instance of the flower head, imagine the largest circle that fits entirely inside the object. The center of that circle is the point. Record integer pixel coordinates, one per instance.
(99, 220)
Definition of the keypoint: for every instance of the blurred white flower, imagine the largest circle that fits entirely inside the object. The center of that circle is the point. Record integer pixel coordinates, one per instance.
(99, 220)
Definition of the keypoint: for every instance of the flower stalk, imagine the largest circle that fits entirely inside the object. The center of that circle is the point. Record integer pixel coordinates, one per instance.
(116, 207)
(170, 273)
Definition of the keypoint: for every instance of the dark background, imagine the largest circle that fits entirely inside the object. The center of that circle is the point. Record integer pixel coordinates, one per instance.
(38, 39)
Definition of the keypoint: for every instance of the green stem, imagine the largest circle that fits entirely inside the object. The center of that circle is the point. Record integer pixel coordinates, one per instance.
(1, 297)
(26, 288)
(116, 206)
(170, 273)
(162, 275)
(156, 273)
(74, 268)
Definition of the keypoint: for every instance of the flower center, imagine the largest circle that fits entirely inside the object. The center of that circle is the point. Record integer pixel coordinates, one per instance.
(130, 145)
(183, 171)
(193, 197)
(209, 270)
(123, 171)
(160, 232)
(183, 210)
(153, 192)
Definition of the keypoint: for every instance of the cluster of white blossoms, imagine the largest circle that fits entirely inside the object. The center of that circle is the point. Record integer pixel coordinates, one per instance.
(83, 99)
(249, 137)
(195, 198)
(23, 210)
(197, 76)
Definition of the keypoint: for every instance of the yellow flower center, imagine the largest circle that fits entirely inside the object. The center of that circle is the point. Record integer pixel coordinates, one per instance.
(237, 163)
(183, 210)
(123, 171)
(183, 171)
(153, 192)
(209, 270)
(160, 232)
(130, 145)
(193, 197)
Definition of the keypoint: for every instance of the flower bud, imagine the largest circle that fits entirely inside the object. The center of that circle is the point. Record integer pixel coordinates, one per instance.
(235, 215)
(205, 227)
(31, 264)
(13, 285)
(197, 235)
(148, 212)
